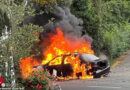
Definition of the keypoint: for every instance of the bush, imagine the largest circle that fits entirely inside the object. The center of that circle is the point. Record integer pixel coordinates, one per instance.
(37, 80)
(117, 40)
(23, 40)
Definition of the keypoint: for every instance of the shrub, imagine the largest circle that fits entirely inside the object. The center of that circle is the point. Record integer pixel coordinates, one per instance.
(37, 80)
(117, 40)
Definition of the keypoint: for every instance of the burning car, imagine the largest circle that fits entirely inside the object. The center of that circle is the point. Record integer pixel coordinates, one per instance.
(100, 67)
(94, 66)
(69, 59)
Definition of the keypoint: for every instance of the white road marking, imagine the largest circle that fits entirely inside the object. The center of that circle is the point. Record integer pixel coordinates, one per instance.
(105, 87)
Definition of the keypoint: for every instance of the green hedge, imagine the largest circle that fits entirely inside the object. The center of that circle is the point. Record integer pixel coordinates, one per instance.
(117, 41)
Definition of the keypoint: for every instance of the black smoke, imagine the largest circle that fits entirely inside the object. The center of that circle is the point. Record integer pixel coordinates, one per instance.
(70, 25)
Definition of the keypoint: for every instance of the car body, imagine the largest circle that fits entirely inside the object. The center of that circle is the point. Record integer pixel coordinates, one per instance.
(100, 67)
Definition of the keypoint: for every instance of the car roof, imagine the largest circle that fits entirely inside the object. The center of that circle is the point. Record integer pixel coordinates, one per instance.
(89, 57)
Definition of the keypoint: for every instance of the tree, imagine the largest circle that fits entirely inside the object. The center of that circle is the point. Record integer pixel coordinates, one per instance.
(116, 36)
(16, 12)
(102, 19)
(4, 20)
(20, 38)
(91, 13)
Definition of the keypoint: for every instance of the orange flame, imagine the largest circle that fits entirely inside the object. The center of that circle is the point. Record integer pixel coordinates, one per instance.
(26, 66)
(61, 46)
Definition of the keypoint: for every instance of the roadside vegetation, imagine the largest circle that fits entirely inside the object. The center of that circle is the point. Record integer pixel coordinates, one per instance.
(106, 21)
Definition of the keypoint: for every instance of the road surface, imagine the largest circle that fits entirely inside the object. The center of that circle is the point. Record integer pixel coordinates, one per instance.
(119, 79)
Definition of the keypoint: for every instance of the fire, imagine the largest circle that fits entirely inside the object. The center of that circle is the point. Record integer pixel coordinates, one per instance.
(59, 47)
(26, 66)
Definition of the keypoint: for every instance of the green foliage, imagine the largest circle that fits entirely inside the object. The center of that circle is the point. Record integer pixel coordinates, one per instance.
(47, 6)
(23, 40)
(92, 14)
(116, 36)
(4, 50)
(16, 12)
(22, 37)
(117, 11)
(20, 43)
(37, 80)
(65, 2)
(117, 40)
(18, 2)
(44, 2)
(106, 21)
(3, 21)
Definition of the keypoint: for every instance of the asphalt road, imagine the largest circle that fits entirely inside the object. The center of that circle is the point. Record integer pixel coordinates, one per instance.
(119, 79)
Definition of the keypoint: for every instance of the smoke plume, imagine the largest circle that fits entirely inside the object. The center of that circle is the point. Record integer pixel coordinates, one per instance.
(71, 26)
